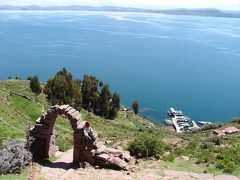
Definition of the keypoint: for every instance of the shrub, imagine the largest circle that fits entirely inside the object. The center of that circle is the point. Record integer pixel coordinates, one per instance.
(146, 146)
(35, 85)
(135, 106)
(216, 140)
(211, 126)
(226, 166)
(236, 120)
(228, 158)
(14, 157)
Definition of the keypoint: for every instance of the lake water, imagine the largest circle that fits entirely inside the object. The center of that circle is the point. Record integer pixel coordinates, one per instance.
(189, 63)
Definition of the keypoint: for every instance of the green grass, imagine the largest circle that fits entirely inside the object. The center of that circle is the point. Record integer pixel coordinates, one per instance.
(29, 108)
(183, 166)
(22, 176)
(2, 93)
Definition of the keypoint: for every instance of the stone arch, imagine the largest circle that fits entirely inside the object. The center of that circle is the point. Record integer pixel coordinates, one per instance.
(95, 153)
(44, 145)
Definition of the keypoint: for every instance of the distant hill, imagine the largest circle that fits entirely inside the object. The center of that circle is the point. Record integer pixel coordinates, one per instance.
(182, 11)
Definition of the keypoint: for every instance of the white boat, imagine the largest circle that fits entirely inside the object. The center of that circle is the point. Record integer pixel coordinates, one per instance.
(168, 122)
(172, 112)
(204, 122)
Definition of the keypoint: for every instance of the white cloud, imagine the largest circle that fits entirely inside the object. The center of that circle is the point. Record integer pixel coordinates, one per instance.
(223, 4)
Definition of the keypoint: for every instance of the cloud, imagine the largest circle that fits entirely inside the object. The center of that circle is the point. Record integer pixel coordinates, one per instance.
(222, 4)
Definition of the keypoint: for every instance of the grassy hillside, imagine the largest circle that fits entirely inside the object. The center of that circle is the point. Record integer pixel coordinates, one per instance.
(19, 108)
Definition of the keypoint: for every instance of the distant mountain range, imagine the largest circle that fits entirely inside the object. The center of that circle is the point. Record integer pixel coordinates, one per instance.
(182, 11)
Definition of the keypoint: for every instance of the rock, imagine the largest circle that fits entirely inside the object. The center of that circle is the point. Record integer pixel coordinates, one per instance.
(153, 158)
(107, 141)
(100, 150)
(119, 148)
(103, 157)
(112, 151)
(138, 161)
(126, 156)
(78, 117)
(182, 158)
(74, 114)
(99, 144)
(85, 165)
(118, 163)
(80, 126)
(71, 112)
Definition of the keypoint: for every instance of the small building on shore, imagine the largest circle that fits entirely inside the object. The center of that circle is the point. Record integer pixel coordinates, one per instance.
(228, 130)
(231, 130)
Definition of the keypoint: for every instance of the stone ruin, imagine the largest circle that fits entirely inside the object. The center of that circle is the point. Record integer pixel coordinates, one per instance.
(95, 153)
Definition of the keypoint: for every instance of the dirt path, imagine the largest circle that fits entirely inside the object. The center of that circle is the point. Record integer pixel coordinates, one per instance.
(62, 169)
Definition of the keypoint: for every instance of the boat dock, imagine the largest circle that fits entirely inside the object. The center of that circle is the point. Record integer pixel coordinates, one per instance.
(178, 120)
(175, 125)
(182, 123)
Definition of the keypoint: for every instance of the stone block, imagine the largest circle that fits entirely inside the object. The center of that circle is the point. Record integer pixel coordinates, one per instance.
(68, 109)
(113, 151)
(101, 163)
(80, 126)
(126, 156)
(70, 112)
(74, 114)
(118, 163)
(101, 150)
(78, 117)
(102, 157)
(38, 121)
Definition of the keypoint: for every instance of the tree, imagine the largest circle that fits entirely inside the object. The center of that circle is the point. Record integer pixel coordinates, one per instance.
(135, 107)
(35, 85)
(90, 93)
(63, 89)
(116, 101)
(105, 99)
(100, 84)
(115, 106)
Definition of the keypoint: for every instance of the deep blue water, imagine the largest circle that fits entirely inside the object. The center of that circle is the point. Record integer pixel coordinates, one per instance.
(189, 63)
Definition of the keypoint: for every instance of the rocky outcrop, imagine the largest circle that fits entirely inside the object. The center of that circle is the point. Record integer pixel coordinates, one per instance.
(93, 152)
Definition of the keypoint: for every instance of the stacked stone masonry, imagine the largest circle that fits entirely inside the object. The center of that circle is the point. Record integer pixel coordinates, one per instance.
(93, 152)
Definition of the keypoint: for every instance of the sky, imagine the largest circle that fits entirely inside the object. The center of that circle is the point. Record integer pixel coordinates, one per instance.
(153, 4)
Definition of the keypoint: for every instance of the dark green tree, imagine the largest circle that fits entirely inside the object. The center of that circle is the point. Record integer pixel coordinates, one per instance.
(35, 85)
(105, 100)
(63, 89)
(90, 92)
(116, 101)
(114, 106)
(135, 106)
